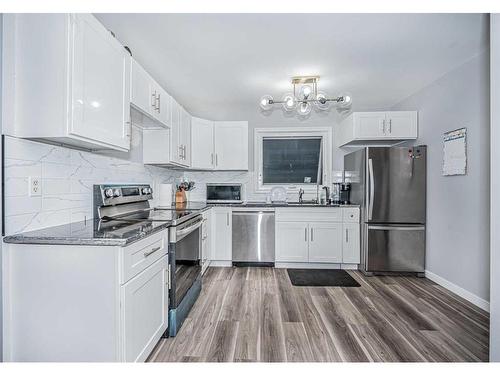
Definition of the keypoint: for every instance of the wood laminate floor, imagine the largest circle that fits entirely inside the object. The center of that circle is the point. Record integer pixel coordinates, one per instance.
(255, 314)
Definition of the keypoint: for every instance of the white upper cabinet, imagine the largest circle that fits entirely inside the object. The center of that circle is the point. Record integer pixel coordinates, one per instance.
(185, 137)
(219, 145)
(175, 145)
(70, 80)
(202, 144)
(101, 84)
(149, 98)
(231, 145)
(170, 146)
(366, 128)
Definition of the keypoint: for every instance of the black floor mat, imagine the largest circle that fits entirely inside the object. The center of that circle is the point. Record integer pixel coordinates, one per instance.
(309, 277)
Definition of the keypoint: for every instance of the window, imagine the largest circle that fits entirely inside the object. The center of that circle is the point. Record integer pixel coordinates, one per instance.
(290, 157)
(290, 160)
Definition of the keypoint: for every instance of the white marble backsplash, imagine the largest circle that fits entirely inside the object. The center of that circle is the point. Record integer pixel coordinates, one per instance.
(67, 177)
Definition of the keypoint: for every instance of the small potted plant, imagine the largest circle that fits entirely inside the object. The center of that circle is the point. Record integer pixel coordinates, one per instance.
(182, 191)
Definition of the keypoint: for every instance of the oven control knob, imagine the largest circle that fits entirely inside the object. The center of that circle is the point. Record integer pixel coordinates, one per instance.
(108, 193)
(116, 193)
(146, 191)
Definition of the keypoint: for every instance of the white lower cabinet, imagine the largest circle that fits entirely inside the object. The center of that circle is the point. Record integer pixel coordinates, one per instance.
(291, 242)
(350, 243)
(206, 240)
(222, 234)
(318, 235)
(325, 242)
(100, 303)
(144, 309)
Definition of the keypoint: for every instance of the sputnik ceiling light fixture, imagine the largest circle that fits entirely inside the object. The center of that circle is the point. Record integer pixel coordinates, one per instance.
(305, 94)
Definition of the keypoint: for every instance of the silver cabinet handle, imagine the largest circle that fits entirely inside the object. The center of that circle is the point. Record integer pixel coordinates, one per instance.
(158, 101)
(312, 235)
(390, 126)
(372, 189)
(382, 126)
(346, 235)
(169, 276)
(153, 101)
(180, 152)
(227, 218)
(212, 156)
(153, 250)
(305, 234)
(216, 159)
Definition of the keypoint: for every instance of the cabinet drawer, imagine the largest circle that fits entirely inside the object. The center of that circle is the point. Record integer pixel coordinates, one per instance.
(350, 215)
(330, 214)
(141, 254)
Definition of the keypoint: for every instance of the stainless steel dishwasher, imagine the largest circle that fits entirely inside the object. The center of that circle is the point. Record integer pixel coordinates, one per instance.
(253, 237)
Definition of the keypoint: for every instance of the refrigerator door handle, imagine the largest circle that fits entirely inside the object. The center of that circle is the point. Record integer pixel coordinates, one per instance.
(396, 227)
(372, 189)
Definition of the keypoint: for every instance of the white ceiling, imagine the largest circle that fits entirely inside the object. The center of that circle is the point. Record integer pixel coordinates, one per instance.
(219, 65)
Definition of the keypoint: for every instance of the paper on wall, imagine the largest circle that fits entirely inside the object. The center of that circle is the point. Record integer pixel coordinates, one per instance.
(455, 152)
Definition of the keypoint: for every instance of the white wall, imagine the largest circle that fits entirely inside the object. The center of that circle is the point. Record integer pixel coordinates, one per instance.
(495, 188)
(457, 206)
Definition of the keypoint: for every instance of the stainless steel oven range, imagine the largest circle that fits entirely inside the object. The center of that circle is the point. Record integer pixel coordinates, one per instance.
(123, 206)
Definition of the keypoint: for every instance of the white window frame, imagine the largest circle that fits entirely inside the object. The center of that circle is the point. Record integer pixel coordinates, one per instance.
(325, 133)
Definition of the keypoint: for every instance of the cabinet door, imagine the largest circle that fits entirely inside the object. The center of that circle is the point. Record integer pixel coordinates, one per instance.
(325, 242)
(202, 144)
(185, 137)
(401, 124)
(100, 85)
(163, 106)
(369, 125)
(175, 146)
(222, 234)
(141, 88)
(231, 145)
(291, 242)
(144, 311)
(206, 239)
(350, 243)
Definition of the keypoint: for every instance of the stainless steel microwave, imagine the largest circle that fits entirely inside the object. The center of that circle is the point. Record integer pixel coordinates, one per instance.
(224, 193)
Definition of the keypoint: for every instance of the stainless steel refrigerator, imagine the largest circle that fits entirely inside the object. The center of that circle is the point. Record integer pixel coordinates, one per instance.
(389, 183)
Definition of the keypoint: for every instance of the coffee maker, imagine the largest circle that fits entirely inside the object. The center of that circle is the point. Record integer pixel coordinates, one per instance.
(341, 193)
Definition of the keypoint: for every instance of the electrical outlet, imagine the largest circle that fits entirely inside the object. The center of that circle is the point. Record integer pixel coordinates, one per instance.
(35, 186)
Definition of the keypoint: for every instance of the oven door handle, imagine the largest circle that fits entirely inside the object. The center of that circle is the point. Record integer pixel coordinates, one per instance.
(179, 234)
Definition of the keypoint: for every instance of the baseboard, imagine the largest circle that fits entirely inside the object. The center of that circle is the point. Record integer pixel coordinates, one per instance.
(465, 294)
(316, 265)
(221, 263)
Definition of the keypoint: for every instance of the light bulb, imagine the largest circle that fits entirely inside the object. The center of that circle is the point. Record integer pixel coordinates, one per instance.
(304, 108)
(321, 101)
(266, 102)
(346, 100)
(305, 91)
(289, 102)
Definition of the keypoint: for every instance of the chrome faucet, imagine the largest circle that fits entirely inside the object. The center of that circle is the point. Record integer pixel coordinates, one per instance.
(301, 193)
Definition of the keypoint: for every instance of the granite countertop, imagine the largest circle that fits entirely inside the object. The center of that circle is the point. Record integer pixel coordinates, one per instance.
(203, 205)
(89, 233)
(98, 233)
